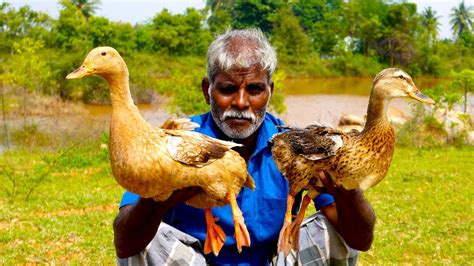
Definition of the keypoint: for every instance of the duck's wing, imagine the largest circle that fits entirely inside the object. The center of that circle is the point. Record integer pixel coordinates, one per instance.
(315, 142)
(179, 123)
(195, 149)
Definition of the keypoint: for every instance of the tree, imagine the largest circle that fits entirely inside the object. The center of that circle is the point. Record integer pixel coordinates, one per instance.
(16, 24)
(69, 30)
(102, 32)
(219, 18)
(288, 36)
(464, 82)
(26, 71)
(84, 8)
(461, 19)
(180, 34)
(364, 25)
(257, 14)
(400, 27)
(430, 23)
(322, 20)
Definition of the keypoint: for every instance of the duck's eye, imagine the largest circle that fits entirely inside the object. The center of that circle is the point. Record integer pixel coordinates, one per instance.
(104, 53)
(401, 76)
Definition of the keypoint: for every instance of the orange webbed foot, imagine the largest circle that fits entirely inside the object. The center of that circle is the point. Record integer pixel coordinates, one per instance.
(215, 236)
(242, 236)
(284, 237)
(295, 226)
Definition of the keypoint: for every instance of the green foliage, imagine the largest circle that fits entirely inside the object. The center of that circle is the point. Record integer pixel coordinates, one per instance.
(187, 95)
(84, 8)
(464, 82)
(260, 17)
(440, 125)
(423, 130)
(219, 20)
(430, 21)
(312, 38)
(21, 23)
(69, 31)
(321, 19)
(462, 18)
(355, 65)
(180, 34)
(29, 135)
(289, 38)
(102, 32)
(277, 102)
(26, 70)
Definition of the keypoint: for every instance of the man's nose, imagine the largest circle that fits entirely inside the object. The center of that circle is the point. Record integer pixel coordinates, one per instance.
(241, 99)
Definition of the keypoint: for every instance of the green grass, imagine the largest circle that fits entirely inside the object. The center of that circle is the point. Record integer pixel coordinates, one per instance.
(68, 218)
(424, 210)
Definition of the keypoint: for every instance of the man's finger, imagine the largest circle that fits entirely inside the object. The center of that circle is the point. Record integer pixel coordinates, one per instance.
(184, 194)
(327, 182)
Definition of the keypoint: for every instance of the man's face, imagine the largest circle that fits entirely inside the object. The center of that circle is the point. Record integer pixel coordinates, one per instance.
(239, 100)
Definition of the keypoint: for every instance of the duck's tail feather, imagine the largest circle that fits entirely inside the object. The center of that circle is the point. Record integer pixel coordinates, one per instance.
(179, 123)
(250, 183)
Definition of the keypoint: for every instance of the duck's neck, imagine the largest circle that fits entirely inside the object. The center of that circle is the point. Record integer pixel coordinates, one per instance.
(120, 91)
(377, 110)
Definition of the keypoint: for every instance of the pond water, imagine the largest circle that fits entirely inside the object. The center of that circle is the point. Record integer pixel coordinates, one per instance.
(344, 85)
(301, 87)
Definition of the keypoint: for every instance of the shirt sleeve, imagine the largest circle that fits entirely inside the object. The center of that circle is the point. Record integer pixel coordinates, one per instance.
(323, 200)
(128, 198)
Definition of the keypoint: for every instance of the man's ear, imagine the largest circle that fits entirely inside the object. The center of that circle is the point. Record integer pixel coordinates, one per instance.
(205, 89)
(271, 86)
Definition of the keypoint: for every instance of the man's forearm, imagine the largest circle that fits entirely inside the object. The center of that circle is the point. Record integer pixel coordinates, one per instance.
(356, 219)
(136, 225)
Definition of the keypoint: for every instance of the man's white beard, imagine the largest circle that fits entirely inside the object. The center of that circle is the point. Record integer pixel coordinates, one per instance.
(220, 119)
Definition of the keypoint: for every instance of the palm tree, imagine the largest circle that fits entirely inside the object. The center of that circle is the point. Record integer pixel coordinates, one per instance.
(430, 22)
(86, 8)
(462, 19)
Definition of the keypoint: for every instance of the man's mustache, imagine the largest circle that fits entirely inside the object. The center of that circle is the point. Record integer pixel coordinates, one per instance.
(234, 114)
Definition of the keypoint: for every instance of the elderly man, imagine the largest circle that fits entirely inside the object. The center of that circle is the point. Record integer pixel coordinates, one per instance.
(238, 88)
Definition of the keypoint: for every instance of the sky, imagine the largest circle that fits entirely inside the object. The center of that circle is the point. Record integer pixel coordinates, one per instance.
(143, 10)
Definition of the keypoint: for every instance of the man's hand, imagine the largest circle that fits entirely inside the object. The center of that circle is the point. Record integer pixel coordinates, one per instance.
(352, 215)
(338, 192)
(136, 224)
(179, 196)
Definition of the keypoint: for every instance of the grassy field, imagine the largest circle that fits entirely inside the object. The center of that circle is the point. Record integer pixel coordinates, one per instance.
(424, 208)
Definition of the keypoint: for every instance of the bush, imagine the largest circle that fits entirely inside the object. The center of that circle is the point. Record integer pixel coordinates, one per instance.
(423, 130)
(349, 64)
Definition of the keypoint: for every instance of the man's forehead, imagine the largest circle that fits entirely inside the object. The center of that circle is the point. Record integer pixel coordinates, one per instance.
(254, 72)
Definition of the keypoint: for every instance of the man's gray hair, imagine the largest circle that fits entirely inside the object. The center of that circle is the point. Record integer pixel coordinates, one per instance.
(242, 49)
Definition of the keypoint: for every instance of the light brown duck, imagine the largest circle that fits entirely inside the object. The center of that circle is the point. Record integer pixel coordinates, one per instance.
(153, 162)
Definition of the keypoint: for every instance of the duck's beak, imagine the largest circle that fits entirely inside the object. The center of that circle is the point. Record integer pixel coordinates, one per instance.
(417, 95)
(80, 72)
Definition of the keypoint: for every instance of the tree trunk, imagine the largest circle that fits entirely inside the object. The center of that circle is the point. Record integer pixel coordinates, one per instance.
(4, 117)
(465, 100)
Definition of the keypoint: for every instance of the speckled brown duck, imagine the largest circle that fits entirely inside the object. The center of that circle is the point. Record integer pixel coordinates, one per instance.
(354, 160)
(153, 162)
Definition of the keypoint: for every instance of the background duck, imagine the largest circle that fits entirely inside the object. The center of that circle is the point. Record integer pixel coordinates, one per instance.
(354, 160)
(153, 162)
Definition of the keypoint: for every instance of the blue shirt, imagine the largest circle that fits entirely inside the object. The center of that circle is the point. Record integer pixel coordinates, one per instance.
(263, 209)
